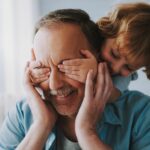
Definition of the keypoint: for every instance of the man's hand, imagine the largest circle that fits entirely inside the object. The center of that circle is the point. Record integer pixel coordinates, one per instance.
(92, 108)
(41, 109)
(44, 117)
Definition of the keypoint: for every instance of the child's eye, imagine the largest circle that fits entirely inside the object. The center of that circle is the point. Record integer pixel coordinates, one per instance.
(114, 54)
(129, 68)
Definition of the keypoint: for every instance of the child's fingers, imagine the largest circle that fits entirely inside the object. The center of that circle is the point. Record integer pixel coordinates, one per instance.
(72, 62)
(72, 76)
(71, 72)
(66, 67)
(39, 80)
(40, 72)
(35, 64)
(87, 53)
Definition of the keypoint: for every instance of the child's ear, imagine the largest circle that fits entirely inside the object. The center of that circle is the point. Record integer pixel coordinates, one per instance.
(33, 55)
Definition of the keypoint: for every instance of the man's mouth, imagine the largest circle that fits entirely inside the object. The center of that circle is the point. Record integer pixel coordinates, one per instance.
(61, 93)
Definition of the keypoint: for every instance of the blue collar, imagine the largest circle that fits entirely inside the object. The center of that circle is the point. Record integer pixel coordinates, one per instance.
(111, 116)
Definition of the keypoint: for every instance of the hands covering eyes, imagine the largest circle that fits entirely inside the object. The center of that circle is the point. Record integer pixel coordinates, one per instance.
(75, 69)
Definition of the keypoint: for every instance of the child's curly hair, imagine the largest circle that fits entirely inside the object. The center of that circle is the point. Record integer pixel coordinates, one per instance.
(130, 24)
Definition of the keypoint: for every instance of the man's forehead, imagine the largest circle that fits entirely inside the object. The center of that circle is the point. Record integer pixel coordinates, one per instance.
(61, 43)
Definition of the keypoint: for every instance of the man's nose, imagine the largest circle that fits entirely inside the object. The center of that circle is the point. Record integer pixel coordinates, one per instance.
(55, 80)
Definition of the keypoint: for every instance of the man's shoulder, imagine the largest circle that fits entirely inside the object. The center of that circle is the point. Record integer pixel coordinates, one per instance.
(134, 104)
(134, 97)
(22, 106)
(23, 113)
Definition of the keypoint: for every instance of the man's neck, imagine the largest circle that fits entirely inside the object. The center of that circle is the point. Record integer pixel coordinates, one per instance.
(115, 94)
(67, 125)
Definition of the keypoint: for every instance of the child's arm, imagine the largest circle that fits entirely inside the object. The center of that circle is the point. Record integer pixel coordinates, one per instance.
(77, 69)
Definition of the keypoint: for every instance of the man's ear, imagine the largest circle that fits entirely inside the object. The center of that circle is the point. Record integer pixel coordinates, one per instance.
(33, 55)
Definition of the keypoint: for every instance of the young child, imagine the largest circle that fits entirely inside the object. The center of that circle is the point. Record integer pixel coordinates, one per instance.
(126, 47)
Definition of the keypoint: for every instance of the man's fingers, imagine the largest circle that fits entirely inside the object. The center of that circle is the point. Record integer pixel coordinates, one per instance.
(108, 82)
(32, 55)
(100, 82)
(89, 87)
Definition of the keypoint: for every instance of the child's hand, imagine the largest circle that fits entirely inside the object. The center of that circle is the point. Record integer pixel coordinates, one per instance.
(38, 73)
(77, 69)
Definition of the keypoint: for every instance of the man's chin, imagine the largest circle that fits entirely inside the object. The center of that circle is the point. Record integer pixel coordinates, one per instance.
(66, 112)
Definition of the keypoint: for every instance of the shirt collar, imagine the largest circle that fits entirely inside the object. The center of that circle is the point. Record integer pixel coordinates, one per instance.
(111, 116)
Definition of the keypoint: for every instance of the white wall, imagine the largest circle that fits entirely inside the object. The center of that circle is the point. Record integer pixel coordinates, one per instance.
(96, 9)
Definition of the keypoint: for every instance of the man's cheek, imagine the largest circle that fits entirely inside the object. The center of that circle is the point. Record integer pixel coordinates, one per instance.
(44, 85)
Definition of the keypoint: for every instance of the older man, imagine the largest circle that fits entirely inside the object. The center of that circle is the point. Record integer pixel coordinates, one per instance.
(66, 119)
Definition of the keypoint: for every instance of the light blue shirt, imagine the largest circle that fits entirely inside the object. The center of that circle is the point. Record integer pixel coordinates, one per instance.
(125, 124)
(122, 83)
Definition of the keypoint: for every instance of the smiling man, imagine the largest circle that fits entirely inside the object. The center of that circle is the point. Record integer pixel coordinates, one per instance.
(61, 42)
(71, 114)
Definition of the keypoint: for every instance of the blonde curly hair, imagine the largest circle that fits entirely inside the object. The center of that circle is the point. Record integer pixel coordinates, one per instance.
(129, 23)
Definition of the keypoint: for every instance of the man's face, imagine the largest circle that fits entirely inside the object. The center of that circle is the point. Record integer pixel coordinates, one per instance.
(52, 46)
(118, 64)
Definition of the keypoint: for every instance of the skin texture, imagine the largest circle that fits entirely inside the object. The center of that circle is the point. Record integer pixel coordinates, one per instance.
(117, 62)
(52, 46)
(52, 51)
(77, 69)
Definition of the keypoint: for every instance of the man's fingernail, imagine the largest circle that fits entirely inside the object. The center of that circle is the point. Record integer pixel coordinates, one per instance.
(39, 63)
(92, 72)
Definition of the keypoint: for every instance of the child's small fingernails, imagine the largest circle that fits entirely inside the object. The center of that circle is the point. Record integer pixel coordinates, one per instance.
(59, 66)
(39, 63)
(47, 69)
(47, 73)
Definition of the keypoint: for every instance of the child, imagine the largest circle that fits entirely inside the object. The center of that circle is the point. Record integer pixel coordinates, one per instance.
(125, 49)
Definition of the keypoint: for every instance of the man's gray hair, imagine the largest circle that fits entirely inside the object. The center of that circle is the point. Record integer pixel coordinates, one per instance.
(75, 16)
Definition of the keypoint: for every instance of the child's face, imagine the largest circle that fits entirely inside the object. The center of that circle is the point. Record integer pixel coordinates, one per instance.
(118, 64)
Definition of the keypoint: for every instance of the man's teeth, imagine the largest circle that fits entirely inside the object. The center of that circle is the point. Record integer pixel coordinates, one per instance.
(61, 93)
